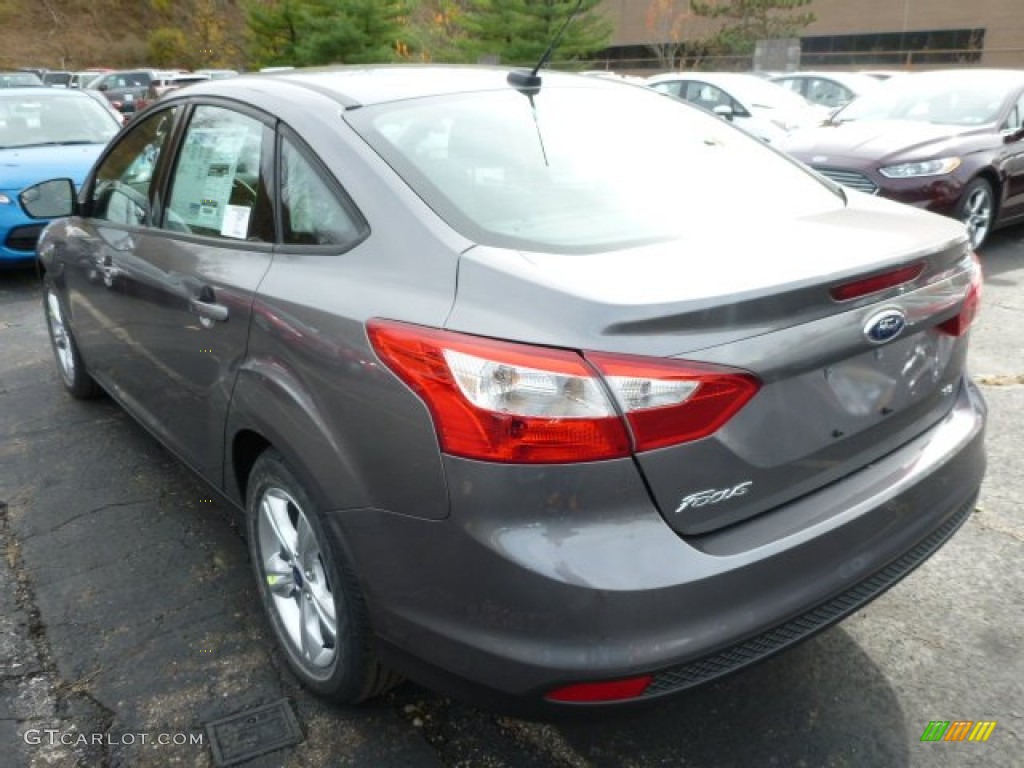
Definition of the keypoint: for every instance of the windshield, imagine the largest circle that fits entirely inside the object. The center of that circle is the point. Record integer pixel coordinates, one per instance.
(584, 169)
(60, 118)
(944, 100)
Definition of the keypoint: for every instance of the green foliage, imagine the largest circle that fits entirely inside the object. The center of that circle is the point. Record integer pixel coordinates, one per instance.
(311, 32)
(350, 32)
(519, 31)
(747, 21)
(211, 46)
(272, 32)
(433, 31)
(167, 47)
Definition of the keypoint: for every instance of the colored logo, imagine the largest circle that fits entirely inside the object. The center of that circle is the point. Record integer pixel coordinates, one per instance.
(886, 325)
(958, 730)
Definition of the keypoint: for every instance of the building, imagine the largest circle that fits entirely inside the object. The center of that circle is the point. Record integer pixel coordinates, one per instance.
(905, 34)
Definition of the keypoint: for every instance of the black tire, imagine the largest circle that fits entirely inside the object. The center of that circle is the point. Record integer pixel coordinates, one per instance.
(977, 210)
(72, 370)
(302, 578)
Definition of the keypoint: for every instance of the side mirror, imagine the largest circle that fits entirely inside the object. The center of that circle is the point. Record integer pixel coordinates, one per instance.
(49, 199)
(724, 111)
(103, 87)
(1011, 135)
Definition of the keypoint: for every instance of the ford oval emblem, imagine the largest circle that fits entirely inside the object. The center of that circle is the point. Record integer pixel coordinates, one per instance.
(886, 325)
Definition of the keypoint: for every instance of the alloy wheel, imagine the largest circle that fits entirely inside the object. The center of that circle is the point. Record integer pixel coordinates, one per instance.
(60, 336)
(293, 566)
(977, 213)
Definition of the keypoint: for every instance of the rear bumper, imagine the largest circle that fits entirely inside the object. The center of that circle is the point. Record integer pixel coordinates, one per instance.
(543, 577)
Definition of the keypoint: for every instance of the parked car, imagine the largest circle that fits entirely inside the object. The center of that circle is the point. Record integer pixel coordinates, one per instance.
(167, 83)
(43, 132)
(763, 108)
(883, 74)
(102, 100)
(127, 89)
(19, 79)
(57, 78)
(949, 141)
(217, 74)
(84, 78)
(511, 414)
(829, 89)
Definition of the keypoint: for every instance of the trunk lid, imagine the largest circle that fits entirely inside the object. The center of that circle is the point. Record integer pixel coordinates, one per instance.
(832, 400)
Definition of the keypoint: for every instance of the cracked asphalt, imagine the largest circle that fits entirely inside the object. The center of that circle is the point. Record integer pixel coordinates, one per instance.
(128, 615)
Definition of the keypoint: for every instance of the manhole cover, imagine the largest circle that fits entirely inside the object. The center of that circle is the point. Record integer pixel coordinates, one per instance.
(253, 733)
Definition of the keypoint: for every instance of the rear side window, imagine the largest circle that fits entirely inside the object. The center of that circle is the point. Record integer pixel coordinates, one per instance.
(120, 192)
(219, 185)
(311, 213)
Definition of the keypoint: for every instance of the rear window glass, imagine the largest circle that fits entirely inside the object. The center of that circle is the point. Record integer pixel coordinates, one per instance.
(584, 169)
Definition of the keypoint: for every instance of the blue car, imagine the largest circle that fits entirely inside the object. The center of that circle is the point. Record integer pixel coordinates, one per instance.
(44, 132)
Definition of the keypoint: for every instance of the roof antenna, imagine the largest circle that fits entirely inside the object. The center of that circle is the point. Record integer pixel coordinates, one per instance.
(530, 81)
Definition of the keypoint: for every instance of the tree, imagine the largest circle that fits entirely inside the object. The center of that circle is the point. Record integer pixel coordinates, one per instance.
(311, 32)
(211, 46)
(272, 31)
(666, 25)
(519, 31)
(434, 30)
(350, 31)
(167, 47)
(747, 21)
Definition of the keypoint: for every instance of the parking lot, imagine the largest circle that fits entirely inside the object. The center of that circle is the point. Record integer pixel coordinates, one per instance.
(130, 620)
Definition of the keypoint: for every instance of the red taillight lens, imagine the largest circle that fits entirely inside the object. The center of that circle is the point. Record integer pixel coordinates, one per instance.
(498, 401)
(501, 401)
(668, 402)
(958, 325)
(611, 690)
(876, 283)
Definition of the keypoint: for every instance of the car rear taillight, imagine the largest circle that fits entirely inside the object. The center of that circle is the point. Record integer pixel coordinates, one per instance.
(668, 402)
(508, 402)
(876, 283)
(959, 323)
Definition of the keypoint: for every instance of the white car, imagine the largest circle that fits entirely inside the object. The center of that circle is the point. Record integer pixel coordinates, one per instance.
(830, 89)
(762, 108)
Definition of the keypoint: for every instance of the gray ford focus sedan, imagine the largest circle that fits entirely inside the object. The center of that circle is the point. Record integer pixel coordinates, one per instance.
(551, 395)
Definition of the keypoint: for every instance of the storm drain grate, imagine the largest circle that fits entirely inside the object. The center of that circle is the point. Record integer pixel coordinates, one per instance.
(253, 732)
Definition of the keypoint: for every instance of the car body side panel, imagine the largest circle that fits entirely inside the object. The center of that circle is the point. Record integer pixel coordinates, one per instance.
(177, 367)
(312, 379)
(587, 582)
(313, 388)
(1011, 166)
(312, 385)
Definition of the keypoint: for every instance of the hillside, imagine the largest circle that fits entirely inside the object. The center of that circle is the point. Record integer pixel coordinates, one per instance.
(77, 34)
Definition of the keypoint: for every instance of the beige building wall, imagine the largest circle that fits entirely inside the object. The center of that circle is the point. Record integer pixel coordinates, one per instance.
(1002, 20)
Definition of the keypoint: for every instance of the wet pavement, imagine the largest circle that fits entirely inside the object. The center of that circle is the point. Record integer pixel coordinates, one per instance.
(129, 622)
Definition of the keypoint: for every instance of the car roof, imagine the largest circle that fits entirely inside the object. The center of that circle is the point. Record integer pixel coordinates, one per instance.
(1007, 76)
(707, 77)
(40, 90)
(354, 86)
(839, 77)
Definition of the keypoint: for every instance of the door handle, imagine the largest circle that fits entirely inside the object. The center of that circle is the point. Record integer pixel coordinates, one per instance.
(205, 305)
(210, 311)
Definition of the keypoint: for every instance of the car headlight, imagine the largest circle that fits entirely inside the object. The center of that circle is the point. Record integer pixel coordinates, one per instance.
(925, 168)
(5, 199)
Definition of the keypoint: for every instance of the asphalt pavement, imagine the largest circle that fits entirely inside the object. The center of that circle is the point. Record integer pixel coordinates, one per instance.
(131, 634)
